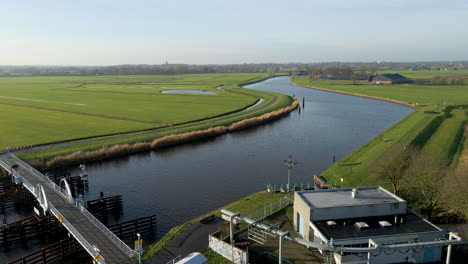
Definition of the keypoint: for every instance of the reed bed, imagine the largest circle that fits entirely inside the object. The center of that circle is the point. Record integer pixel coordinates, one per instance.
(166, 141)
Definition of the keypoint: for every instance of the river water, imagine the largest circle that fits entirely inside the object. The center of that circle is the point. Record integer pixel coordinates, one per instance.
(179, 183)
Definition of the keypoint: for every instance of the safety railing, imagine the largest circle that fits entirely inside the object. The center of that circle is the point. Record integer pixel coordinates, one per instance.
(86, 245)
(119, 243)
(51, 184)
(269, 209)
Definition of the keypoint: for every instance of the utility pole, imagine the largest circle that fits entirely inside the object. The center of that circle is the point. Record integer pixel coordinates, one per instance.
(290, 163)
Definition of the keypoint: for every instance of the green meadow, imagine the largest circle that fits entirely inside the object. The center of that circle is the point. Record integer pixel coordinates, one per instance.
(38, 110)
(410, 93)
(427, 74)
(439, 135)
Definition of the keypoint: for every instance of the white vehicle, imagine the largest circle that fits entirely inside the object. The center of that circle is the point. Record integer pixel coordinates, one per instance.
(193, 258)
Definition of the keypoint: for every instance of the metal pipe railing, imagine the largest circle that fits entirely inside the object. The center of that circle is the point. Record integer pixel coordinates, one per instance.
(119, 243)
(91, 249)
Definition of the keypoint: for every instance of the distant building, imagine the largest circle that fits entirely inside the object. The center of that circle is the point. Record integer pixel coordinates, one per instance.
(389, 78)
(341, 76)
(364, 217)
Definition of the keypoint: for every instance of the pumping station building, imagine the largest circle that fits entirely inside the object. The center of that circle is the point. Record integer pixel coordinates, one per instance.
(365, 217)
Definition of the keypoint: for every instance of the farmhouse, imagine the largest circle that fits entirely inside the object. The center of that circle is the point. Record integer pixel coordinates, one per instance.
(343, 76)
(390, 78)
(364, 217)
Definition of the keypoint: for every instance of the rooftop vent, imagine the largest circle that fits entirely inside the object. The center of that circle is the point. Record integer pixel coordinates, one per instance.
(384, 223)
(361, 225)
(331, 223)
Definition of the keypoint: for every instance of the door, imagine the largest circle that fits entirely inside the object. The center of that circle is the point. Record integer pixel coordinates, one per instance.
(300, 224)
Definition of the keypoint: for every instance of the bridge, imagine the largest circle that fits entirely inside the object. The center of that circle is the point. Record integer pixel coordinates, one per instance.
(103, 245)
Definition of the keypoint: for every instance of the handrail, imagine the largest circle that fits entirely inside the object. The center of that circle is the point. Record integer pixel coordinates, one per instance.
(112, 237)
(52, 184)
(86, 245)
(119, 243)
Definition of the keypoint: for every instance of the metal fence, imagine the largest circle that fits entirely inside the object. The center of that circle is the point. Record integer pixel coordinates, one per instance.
(269, 209)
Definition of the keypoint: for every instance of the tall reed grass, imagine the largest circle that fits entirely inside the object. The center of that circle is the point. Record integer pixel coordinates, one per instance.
(166, 141)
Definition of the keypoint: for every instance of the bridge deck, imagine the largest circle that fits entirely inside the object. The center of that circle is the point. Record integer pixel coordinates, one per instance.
(108, 250)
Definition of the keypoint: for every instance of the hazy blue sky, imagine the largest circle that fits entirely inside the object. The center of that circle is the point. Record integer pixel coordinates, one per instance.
(104, 32)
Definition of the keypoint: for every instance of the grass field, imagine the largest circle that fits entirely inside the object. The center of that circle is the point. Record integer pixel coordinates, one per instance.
(411, 93)
(426, 74)
(438, 135)
(35, 110)
(445, 142)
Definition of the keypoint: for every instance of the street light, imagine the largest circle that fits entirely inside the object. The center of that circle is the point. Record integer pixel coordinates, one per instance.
(290, 163)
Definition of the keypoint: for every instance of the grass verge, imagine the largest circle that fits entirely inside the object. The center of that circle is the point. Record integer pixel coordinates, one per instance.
(243, 206)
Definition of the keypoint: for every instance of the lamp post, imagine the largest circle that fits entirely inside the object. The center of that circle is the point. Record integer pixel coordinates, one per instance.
(290, 163)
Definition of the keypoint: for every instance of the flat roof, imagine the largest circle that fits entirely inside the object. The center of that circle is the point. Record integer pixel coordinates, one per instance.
(346, 228)
(343, 197)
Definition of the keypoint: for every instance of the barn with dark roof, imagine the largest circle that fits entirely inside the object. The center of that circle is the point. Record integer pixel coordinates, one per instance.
(389, 78)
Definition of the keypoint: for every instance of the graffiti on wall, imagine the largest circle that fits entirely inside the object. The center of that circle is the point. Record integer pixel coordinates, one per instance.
(228, 251)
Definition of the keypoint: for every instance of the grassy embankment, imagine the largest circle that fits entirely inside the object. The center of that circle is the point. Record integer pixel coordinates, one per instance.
(437, 134)
(38, 110)
(243, 206)
(165, 141)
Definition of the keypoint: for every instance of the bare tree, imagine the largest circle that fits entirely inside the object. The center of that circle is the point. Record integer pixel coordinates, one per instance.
(426, 177)
(455, 191)
(392, 166)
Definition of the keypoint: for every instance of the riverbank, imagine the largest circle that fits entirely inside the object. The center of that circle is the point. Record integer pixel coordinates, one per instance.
(434, 133)
(356, 94)
(118, 150)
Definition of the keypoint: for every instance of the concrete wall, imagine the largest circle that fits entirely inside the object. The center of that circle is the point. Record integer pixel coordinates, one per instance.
(346, 212)
(301, 207)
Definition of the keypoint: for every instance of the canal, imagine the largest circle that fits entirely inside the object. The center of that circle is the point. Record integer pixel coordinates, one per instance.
(182, 182)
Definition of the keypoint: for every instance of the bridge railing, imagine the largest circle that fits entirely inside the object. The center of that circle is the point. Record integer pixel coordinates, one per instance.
(52, 184)
(86, 245)
(119, 243)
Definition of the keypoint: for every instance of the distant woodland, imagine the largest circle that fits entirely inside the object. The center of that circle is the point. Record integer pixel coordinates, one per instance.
(167, 69)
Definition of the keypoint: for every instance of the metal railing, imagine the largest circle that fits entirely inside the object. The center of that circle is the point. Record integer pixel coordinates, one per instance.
(86, 245)
(51, 184)
(269, 209)
(119, 243)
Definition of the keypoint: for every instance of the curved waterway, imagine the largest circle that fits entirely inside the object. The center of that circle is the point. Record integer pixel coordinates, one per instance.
(182, 182)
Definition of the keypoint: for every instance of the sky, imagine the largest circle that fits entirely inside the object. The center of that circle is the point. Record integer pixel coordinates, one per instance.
(104, 32)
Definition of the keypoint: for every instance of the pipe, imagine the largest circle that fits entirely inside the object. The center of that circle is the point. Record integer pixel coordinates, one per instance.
(231, 227)
(342, 249)
(281, 247)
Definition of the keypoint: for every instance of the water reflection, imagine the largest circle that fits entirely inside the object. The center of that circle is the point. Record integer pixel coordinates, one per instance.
(185, 181)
